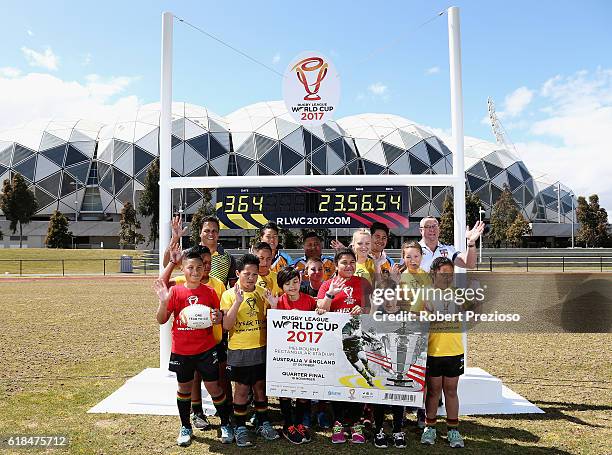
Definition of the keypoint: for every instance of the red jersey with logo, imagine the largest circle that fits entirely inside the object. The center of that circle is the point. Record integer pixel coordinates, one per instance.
(185, 340)
(356, 292)
(304, 303)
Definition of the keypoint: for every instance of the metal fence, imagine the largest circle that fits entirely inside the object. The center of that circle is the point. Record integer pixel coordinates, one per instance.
(65, 267)
(147, 266)
(546, 263)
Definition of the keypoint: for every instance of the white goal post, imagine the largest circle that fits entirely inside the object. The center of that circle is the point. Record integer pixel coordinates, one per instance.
(167, 183)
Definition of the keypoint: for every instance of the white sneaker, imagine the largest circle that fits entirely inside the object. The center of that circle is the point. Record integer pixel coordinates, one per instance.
(184, 437)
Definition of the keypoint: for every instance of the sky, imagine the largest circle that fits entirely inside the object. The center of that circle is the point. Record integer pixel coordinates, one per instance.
(546, 64)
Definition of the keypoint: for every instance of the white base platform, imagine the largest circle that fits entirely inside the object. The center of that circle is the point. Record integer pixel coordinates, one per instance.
(153, 391)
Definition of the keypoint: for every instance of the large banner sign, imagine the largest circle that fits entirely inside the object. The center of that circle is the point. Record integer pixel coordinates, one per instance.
(336, 356)
(311, 88)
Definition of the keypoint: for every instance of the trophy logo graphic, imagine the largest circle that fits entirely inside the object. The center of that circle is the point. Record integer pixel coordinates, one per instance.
(310, 65)
(348, 291)
(311, 88)
(252, 303)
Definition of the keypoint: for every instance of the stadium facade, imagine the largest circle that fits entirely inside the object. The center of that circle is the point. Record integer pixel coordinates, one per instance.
(87, 169)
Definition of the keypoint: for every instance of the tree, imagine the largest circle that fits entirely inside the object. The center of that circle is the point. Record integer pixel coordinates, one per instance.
(447, 219)
(148, 206)
(593, 221)
(58, 235)
(503, 214)
(129, 223)
(18, 203)
(516, 231)
(206, 209)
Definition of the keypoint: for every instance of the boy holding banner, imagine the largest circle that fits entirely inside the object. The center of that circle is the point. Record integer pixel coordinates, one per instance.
(295, 430)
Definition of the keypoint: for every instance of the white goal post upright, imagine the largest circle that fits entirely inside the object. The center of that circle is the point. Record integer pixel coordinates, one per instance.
(167, 183)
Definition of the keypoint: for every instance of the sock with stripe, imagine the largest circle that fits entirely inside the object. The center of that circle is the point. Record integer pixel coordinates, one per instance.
(196, 407)
(431, 422)
(261, 408)
(183, 401)
(240, 414)
(222, 406)
(452, 424)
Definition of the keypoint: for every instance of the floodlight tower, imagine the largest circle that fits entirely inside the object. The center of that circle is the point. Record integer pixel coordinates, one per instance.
(501, 137)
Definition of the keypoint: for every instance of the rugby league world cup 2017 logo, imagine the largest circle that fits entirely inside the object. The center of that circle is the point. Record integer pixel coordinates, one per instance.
(308, 66)
(311, 88)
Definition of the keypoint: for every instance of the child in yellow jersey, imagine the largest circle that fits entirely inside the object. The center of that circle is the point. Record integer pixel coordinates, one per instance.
(413, 277)
(245, 308)
(198, 418)
(362, 240)
(444, 358)
(266, 278)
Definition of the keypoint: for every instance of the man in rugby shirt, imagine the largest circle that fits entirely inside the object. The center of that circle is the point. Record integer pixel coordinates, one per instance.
(313, 247)
(223, 264)
(432, 248)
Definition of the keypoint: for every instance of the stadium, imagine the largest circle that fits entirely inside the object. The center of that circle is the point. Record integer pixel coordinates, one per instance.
(87, 169)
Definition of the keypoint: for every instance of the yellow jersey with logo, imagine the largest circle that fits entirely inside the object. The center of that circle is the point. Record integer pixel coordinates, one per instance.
(269, 282)
(249, 331)
(366, 270)
(411, 282)
(445, 338)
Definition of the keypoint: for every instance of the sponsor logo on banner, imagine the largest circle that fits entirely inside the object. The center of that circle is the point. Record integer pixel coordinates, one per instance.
(311, 88)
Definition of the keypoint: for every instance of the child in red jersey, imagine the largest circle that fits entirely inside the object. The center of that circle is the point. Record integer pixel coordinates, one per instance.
(295, 430)
(192, 349)
(346, 293)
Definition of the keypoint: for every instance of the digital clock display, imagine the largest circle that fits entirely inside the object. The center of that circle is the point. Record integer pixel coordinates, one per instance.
(312, 202)
(313, 206)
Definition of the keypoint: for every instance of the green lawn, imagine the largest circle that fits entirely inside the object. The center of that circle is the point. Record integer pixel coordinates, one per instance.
(44, 261)
(90, 335)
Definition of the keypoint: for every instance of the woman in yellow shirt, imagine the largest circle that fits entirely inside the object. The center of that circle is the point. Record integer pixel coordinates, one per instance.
(362, 240)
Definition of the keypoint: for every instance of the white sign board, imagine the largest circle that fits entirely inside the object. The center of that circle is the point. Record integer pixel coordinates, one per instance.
(338, 357)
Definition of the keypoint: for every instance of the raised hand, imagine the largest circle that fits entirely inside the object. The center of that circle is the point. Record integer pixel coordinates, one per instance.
(239, 294)
(474, 234)
(395, 273)
(176, 255)
(336, 285)
(337, 245)
(161, 290)
(177, 230)
(272, 299)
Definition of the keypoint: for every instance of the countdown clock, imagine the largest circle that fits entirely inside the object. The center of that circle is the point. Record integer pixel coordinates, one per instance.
(303, 207)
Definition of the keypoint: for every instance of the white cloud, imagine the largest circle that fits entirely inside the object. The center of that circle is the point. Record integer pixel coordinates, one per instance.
(378, 89)
(30, 32)
(572, 141)
(9, 71)
(276, 58)
(87, 59)
(432, 70)
(37, 96)
(46, 60)
(516, 102)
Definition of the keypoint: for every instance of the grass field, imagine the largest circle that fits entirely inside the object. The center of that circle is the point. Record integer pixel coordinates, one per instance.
(90, 335)
(44, 261)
